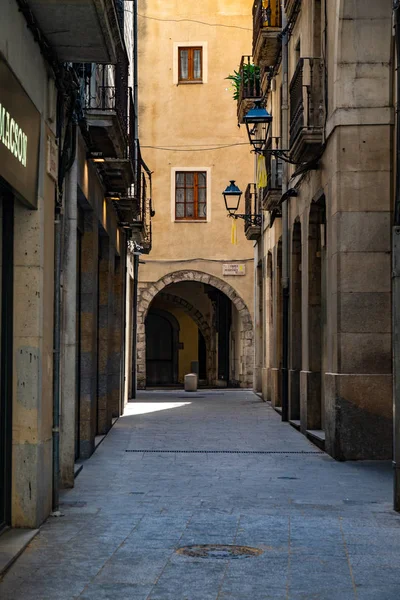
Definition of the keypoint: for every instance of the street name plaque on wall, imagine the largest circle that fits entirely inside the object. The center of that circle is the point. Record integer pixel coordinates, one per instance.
(19, 136)
(233, 269)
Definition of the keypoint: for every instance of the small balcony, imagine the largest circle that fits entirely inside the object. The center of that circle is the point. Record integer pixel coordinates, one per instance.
(307, 111)
(87, 31)
(273, 191)
(252, 226)
(142, 225)
(249, 86)
(267, 26)
(106, 111)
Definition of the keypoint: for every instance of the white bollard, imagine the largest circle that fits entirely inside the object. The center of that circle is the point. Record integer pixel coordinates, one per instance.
(191, 382)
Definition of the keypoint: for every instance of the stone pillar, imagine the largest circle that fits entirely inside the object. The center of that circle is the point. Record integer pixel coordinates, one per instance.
(105, 317)
(115, 343)
(359, 382)
(68, 339)
(33, 361)
(88, 366)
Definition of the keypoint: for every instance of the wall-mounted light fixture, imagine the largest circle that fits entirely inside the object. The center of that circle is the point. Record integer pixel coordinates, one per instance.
(232, 196)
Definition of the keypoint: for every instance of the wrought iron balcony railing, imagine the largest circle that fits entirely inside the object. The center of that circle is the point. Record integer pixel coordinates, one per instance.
(274, 166)
(267, 13)
(267, 21)
(267, 25)
(252, 226)
(107, 92)
(307, 107)
(249, 88)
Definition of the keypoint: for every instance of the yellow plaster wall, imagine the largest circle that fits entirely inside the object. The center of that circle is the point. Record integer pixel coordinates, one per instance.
(186, 118)
(188, 335)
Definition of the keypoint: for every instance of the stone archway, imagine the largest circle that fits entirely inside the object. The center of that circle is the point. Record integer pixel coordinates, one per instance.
(201, 323)
(148, 292)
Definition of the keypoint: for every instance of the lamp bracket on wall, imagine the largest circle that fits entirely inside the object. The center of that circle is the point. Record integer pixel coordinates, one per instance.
(255, 220)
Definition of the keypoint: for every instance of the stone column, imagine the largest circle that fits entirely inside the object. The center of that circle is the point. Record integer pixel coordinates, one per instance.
(105, 319)
(33, 361)
(115, 343)
(88, 366)
(68, 339)
(358, 383)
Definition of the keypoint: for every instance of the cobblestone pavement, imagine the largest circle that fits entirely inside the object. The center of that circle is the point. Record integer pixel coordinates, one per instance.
(326, 529)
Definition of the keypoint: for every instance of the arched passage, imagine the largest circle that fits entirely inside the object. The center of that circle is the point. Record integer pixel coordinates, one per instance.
(202, 324)
(148, 293)
(162, 339)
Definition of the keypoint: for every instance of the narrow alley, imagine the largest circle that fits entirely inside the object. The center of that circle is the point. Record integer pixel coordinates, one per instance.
(219, 468)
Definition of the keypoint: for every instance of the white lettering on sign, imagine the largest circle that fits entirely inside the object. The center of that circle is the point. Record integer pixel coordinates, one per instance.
(13, 137)
(233, 269)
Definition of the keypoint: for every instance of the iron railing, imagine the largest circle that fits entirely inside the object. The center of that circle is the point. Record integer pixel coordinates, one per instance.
(143, 196)
(251, 205)
(306, 97)
(249, 78)
(274, 166)
(106, 90)
(266, 14)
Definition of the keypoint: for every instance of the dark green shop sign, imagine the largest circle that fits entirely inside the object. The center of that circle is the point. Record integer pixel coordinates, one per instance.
(19, 136)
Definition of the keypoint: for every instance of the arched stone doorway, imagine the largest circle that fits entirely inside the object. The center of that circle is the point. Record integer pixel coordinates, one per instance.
(245, 354)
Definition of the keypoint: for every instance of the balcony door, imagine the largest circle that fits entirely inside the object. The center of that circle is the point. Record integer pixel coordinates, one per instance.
(6, 301)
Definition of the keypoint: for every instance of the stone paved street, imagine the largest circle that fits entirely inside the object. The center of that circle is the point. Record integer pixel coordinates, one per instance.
(326, 529)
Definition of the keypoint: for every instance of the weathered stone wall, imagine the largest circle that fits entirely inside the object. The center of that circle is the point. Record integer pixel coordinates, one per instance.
(340, 330)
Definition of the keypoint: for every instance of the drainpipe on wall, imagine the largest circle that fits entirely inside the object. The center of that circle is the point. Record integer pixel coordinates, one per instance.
(396, 279)
(285, 222)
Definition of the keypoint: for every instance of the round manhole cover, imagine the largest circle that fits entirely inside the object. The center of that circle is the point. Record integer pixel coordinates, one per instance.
(219, 552)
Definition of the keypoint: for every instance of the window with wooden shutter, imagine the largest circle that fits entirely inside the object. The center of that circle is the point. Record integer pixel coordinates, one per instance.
(190, 65)
(190, 195)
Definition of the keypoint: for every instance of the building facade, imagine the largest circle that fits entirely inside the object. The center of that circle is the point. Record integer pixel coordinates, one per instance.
(195, 307)
(71, 199)
(323, 289)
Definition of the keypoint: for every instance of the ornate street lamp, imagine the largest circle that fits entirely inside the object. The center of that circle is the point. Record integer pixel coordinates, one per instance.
(258, 123)
(232, 196)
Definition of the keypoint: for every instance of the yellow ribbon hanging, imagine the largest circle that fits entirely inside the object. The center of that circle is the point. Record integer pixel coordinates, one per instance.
(262, 177)
(234, 232)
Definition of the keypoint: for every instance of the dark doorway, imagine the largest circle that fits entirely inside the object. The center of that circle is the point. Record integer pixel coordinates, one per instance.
(316, 315)
(162, 347)
(6, 334)
(296, 359)
(202, 358)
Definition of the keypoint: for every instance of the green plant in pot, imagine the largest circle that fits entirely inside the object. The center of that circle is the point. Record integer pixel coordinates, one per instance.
(248, 76)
